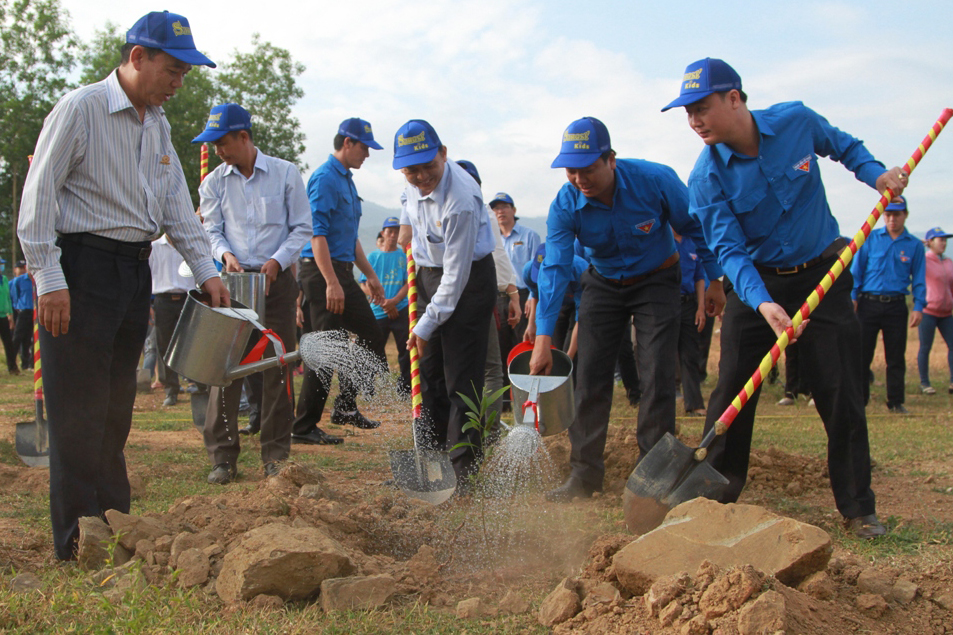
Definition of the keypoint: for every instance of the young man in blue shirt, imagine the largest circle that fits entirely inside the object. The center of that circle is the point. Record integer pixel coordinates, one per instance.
(21, 297)
(335, 299)
(890, 261)
(756, 190)
(691, 324)
(390, 263)
(622, 212)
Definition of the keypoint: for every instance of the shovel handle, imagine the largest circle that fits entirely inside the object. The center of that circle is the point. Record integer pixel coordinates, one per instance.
(416, 398)
(767, 363)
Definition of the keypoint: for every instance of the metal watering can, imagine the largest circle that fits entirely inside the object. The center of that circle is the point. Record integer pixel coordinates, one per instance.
(543, 401)
(247, 288)
(208, 344)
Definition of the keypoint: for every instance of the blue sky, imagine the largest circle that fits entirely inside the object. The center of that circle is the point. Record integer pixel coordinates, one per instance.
(501, 79)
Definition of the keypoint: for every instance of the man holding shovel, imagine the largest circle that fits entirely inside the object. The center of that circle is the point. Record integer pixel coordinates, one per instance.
(756, 190)
(256, 216)
(105, 181)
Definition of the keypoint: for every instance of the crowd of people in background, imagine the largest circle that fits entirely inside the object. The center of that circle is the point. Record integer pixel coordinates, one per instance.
(635, 267)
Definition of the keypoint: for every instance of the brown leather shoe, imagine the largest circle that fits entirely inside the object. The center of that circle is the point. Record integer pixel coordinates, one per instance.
(866, 527)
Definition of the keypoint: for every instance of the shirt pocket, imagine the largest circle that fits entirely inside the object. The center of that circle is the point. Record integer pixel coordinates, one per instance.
(755, 214)
(273, 210)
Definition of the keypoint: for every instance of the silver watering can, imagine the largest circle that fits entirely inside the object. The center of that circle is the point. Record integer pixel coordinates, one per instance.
(247, 288)
(543, 401)
(208, 344)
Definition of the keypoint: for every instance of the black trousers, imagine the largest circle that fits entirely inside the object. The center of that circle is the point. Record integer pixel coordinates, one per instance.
(653, 305)
(891, 319)
(830, 352)
(6, 336)
(399, 327)
(89, 379)
(453, 362)
(357, 318)
(689, 354)
(23, 337)
(167, 308)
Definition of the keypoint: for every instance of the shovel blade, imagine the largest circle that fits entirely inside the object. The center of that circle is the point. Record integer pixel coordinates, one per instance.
(434, 482)
(33, 443)
(666, 476)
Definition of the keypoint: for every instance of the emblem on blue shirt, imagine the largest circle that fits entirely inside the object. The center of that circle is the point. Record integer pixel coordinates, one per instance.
(804, 165)
(645, 227)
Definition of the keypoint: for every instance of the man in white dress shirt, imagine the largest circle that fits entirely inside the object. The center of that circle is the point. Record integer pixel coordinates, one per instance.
(258, 218)
(105, 181)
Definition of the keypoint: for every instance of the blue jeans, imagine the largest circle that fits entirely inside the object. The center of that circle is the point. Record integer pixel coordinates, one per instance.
(928, 326)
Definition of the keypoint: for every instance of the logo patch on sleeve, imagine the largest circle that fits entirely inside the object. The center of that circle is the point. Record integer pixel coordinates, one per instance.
(804, 165)
(646, 226)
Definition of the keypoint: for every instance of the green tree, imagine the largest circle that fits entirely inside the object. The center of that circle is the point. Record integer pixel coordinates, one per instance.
(37, 50)
(186, 112)
(264, 82)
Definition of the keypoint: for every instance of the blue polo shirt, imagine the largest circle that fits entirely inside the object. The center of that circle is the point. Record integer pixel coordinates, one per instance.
(520, 246)
(771, 209)
(888, 266)
(335, 209)
(21, 293)
(691, 264)
(629, 238)
(391, 269)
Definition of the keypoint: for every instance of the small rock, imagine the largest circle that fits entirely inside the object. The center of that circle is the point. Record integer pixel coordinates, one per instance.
(664, 590)
(670, 613)
(945, 600)
(872, 604)
(314, 491)
(187, 540)
(265, 601)
(794, 488)
(356, 592)
(423, 565)
(94, 540)
(818, 585)
(25, 582)
(764, 615)
(698, 625)
(560, 605)
(514, 604)
(469, 609)
(729, 591)
(871, 580)
(131, 529)
(164, 543)
(193, 568)
(904, 591)
(602, 593)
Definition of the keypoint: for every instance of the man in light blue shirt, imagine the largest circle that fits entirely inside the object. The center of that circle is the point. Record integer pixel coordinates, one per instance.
(256, 216)
(444, 218)
(890, 262)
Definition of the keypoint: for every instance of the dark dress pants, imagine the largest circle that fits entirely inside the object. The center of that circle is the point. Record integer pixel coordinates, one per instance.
(89, 381)
(400, 328)
(357, 318)
(453, 362)
(653, 305)
(23, 337)
(167, 307)
(830, 351)
(6, 336)
(221, 421)
(689, 354)
(891, 319)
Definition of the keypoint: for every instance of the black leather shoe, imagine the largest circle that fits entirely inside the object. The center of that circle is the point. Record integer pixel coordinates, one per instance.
(866, 527)
(355, 419)
(221, 474)
(572, 488)
(272, 468)
(316, 437)
(249, 430)
(897, 409)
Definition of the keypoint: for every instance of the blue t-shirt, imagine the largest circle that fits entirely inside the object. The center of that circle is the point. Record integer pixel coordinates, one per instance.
(391, 268)
(771, 209)
(335, 209)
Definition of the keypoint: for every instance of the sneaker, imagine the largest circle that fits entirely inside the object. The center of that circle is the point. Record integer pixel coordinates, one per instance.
(928, 390)
(786, 401)
(353, 418)
(221, 474)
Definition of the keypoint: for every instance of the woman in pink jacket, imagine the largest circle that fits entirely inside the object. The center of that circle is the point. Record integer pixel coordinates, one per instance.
(938, 313)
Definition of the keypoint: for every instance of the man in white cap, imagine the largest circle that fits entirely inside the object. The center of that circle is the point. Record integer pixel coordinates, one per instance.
(105, 181)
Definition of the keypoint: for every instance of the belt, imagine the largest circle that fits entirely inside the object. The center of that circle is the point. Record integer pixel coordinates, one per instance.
(628, 282)
(172, 295)
(882, 298)
(139, 251)
(688, 297)
(832, 250)
(337, 264)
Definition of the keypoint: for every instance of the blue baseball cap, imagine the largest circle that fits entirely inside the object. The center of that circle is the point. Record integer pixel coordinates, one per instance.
(223, 119)
(537, 263)
(584, 141)
(502, 197)
(359, 130)
(704, 77)
(898, 204)
(936, 232)
(471, 170)
(391, 221)
(168, 32)
(416, 142)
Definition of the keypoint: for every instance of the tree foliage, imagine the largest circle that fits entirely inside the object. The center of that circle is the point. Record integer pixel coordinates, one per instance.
(37, 51)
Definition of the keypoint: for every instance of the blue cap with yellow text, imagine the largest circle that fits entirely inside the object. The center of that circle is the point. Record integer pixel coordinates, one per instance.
(898, 204)
(359, 130)
(937, 232)
(584, 141)
(415, 143)
(391, 221)
(502, 197)
(704, 77)
(223, 119)
(168, 32)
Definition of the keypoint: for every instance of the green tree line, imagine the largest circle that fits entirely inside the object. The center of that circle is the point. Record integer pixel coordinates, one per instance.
(40, 55)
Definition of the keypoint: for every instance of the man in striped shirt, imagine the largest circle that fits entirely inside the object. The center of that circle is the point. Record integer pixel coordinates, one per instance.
(105, 181)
